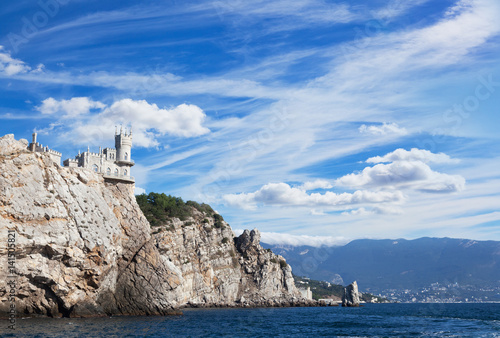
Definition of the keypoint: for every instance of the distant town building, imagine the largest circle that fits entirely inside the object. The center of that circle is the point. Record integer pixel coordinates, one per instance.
(306, 293)
(112, 163)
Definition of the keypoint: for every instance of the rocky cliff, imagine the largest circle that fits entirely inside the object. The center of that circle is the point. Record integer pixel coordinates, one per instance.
(84, 248)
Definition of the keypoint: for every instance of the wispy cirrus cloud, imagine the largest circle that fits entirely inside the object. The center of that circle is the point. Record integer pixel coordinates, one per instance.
(375, 210)
(384, 129)
(302, 11)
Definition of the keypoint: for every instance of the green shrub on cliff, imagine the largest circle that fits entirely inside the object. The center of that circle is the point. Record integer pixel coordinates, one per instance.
(201, 207)
(160, 208)
(218, 221)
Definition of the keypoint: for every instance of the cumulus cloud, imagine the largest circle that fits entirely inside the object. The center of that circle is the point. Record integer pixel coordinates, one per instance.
(283, 194)
(93, 120)
(69, 108)
(414, 154)
(276, 238)
(379, 188)
(407, 170)
(384, 129)
(184, 120)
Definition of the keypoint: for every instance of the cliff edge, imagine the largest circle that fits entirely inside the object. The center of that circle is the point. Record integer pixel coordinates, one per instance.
(84, 248)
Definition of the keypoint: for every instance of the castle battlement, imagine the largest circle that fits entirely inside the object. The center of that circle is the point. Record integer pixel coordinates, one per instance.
(53, 152)
(36, 147)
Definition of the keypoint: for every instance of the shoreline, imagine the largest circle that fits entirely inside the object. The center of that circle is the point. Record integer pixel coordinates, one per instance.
(179, 311)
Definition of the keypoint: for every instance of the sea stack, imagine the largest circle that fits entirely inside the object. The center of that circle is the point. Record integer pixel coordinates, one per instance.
(350, 297)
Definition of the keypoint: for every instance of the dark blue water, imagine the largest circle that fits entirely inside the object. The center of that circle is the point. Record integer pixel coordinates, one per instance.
(373, 320)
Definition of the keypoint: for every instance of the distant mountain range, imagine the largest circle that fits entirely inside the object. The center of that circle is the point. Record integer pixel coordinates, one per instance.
(381, 265)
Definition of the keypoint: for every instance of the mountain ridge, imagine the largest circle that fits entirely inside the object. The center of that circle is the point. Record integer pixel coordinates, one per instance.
(384, 264)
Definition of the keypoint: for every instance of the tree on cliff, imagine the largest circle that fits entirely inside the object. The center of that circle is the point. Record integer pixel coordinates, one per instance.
(158, 208)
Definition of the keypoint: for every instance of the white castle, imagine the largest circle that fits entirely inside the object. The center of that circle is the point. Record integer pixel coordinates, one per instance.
(113, 164)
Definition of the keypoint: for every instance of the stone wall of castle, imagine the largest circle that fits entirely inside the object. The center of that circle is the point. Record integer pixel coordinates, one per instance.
(112, 163)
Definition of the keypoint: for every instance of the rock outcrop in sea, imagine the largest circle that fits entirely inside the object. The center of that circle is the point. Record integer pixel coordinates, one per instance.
(84, 248)
(350, 298)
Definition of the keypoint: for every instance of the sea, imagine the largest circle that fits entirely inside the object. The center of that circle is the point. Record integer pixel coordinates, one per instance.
(371, 320)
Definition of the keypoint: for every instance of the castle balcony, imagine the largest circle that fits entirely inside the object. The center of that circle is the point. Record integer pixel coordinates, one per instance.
(129, 163)
(122, 178)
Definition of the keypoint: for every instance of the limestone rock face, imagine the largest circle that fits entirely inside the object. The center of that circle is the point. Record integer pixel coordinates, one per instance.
(350, 298)
(84, 248)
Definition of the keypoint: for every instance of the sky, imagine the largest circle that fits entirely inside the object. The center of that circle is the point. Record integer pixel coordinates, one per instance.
(315, 121)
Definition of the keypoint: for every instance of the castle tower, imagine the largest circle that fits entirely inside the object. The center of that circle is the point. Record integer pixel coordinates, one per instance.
(33, 143)
(123, 145)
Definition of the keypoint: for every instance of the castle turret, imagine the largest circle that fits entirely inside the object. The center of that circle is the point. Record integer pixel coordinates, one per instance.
(123, 145)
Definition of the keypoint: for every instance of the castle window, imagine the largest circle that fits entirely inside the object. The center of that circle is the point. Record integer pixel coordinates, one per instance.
(95, 168)
(108, 171)
(116, 172)
(126, 156)
(125, 172)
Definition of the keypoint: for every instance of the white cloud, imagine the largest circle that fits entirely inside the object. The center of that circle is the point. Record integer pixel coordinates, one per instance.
(384, 129)
(301, 11)
(72, 108)
(376, 210)
(315, 212)
(284, 195)
(318, 184)
(356, 212)
(276, 238)
(139, 190)
(10, 66)
(404, 175)
(395, 8)
(147, 120)
(460, 7)
(414, 154)
(47, 130)
(184, 120)
(407, 170)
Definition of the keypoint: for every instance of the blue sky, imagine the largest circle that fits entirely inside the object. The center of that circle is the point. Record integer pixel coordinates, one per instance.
(315, 121)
